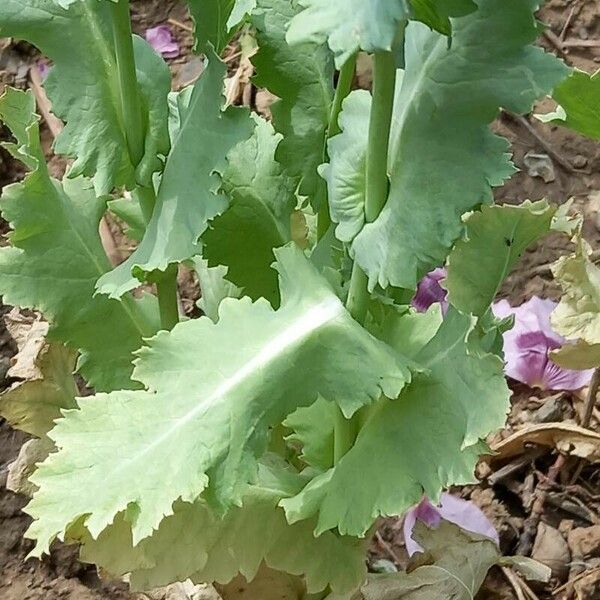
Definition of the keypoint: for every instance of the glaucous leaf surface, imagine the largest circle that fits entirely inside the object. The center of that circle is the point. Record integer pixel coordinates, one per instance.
(493, 243)
(85, 92)
(346, 172)
(188, 196)
(302, 77)
(204, 418)
(214, 287)
(442, 112)
(460, 398)
(261, 201)
(195, 542)
(577, 316)
(437, 13)
(578, 98)
(56, 257)
(348, 25)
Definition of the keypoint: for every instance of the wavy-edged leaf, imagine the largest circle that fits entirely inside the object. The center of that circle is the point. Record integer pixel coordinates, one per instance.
(346, 172)
(44, 374)
(370, 25)
(302, 77)
(214, 287)
(446, 100)
(348, 25)
(578, 100)
(205, 416)
(187, 196)
(461, 398)
(262, 199)
(196, 543)
(494, 240)
(577, 317)
(57, 256)
(84, 89)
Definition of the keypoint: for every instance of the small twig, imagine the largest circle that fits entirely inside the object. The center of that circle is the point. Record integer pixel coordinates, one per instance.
(515, 466)
(515, 582)
(565, 28)
(532, 595)
(181, 25)
(573, 43)
(55, 125)
(563, 162)
(554, 40)
(579, 577)
(590, 405)
(531, 523)
(387, 548)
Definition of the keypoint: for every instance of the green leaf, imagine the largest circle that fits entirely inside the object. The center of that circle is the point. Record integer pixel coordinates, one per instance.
(461, 398)
(262, 199)
(454, 565)
(494, 241)
(578, 98)
(44, 374)
(348, 25)
(57, 256)
(84, 89)
(241, 9)
(196, 543)
(205, 416)
(211, 23)
(577, 317)
(436, 13)
(444, 160)
(214, 287)
(313, 429)
(346, 172)
(187, 197)
(130, 212)
(302, 77)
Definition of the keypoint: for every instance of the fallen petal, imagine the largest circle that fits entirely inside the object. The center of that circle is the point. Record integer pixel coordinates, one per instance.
(456, 510)
(161, 39)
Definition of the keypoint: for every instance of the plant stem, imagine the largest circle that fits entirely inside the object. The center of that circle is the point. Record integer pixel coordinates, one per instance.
(344, 85)
(166, 289)
(146, 198)
(342, 90)
(128, 85)
(384, 83)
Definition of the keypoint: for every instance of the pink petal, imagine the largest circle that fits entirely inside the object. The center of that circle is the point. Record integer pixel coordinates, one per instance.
(43, 68)
(161, 39)
(429, 291)
(528, 344)
(460, 512)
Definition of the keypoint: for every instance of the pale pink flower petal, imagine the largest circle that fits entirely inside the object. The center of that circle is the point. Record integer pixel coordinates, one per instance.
(429, 291)
(460, 512)
(528, 344)
(161, 39)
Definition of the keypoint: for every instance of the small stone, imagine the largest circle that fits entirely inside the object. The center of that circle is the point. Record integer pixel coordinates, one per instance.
(540, 165)
(585, 541)
(580, 162)
(551, 411)
(583, 33)
(551, 548)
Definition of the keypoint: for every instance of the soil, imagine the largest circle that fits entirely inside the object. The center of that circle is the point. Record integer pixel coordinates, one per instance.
(571, 514)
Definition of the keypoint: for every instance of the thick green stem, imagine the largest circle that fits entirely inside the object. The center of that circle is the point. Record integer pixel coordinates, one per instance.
(384, 83)
(146, 198)
(343, 88)
(128, 85)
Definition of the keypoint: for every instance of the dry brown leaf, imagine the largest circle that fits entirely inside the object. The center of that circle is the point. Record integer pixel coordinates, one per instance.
(565, 437)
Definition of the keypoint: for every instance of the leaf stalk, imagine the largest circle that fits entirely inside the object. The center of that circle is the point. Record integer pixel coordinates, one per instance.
(343, 88)
(128, 85)
(377, 185)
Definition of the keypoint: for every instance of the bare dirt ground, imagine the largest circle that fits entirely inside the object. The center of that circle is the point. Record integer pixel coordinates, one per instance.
(563, 529)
